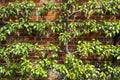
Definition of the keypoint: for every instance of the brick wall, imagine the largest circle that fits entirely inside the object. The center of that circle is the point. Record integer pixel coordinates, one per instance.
(22, 35)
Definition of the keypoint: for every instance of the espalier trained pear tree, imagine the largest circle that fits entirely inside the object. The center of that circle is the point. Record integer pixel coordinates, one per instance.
(17, 16)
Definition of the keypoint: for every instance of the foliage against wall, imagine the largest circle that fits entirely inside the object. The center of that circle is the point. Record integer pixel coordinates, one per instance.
(16, 16)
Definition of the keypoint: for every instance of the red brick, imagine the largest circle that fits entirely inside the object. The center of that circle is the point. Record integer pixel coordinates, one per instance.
(29, 38)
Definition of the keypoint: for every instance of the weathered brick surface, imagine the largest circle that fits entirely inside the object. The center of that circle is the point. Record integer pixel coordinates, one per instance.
(22, 36)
